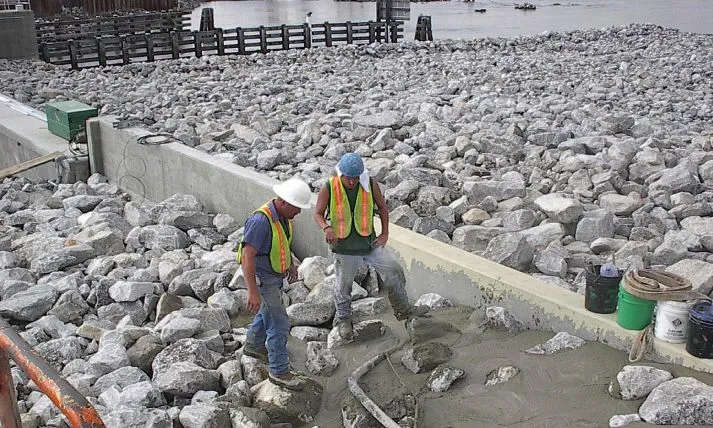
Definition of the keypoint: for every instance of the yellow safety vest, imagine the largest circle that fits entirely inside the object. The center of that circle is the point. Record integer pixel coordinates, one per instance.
(340, 211)
(280, 255)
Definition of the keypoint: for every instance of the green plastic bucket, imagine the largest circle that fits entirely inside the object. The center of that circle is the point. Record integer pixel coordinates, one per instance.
(633, 313)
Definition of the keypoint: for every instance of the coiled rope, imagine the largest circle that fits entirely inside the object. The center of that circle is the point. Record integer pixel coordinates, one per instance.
(656, 285)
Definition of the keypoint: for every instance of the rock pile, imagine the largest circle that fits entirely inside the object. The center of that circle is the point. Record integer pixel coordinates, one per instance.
(542, 153)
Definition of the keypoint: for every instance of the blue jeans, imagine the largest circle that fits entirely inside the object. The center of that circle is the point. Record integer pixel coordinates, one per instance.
(385, 264)
(270, 329)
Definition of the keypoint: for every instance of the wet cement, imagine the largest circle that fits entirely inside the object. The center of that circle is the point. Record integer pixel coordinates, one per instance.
(567, 389)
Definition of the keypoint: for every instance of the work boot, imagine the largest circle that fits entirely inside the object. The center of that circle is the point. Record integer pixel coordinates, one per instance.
(345, 328)
(287, 380)
(257, 353)
(411, 312)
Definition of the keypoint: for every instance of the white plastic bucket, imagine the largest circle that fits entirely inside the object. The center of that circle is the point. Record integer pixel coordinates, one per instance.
(672, 321)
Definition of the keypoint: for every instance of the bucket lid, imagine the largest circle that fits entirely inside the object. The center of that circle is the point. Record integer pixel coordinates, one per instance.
(703, 311)
(675, 304)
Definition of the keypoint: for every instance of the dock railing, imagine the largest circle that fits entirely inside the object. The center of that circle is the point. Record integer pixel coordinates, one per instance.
(73, 405)
(155, 45)
(15, 5)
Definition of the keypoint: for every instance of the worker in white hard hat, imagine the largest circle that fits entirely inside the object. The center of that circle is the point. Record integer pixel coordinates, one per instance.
(345, 212)
(266, 261)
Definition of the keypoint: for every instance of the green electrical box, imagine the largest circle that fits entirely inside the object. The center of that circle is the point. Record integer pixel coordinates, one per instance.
(66, 118)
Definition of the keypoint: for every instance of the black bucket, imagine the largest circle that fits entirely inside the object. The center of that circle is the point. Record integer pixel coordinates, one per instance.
(601, 293)
(700, 331)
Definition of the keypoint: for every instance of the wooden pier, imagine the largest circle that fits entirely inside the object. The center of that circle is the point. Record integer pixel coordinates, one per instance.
(150, 46)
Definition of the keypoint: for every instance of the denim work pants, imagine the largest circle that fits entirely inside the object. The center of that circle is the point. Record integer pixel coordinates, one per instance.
(270, 328)
(385, 264)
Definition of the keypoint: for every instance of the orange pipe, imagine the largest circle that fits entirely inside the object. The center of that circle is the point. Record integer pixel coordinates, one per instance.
(9, 414)
(75, 407)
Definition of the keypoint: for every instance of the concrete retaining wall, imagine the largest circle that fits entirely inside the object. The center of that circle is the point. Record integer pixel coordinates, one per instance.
(23, 136)
(17, 33)
(156, 172)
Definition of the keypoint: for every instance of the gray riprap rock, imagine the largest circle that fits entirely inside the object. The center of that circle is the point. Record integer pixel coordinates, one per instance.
(635, 382)
(310, 313)
(623, 420)
(268, 159)
(136, 417)
(426, 356)
(227, 300)
(184, 379)
(684, 401)
(677, 179)
(429, 199)
(474, 238)
(700, 226)
(403, 216)
(17, 274)
(71, 253)
(114, 312)
(354, 415)
(29, 305)
(443, 377)
(142, 394)
(313, 270)
(559, 342)
(560, 208)
(210, 318)
(500, 190)
(225, 224)
(205, 415)
(551, 262)
(544, 234)
(186, 220)
(511, 250)
(247, 417)
(433, 301)
(10, 287)
(308, 334)
(424, 225)
(230, 372)
(58, 352)
(53, 327)
(102, 239)
(84, 203)
(320, 361)
(607, 245)
(287, 406)
(130, 291)
(110, 356)
(138, 213)
(185, 350)
(620, 204)
(121, 377)
(700, 273)
(142, 353)
(176, 202)
(475, 216)
(206, 237)
(9, 260)
(500, 317)
(501, 375)
(163, 237)
(179, 328)
(369, 306)
(386, 119)
(595, 224)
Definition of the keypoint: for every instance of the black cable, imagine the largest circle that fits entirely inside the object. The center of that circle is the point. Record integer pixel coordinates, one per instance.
(156, 139)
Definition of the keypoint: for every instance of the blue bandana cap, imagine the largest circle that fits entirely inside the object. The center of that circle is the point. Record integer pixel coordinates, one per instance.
(351, 165)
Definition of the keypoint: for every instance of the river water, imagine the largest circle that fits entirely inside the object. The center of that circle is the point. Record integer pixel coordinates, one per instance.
(457, 19)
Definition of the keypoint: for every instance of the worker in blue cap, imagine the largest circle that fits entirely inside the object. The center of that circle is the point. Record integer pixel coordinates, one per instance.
(345, 212)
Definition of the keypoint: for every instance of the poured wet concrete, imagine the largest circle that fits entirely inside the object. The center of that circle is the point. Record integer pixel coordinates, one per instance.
(567, 389)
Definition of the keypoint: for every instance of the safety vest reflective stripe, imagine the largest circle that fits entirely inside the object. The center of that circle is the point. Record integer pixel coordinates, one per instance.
(342, 214)
(280, 255)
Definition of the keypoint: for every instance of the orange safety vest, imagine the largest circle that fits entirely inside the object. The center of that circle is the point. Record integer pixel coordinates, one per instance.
(342, 214)
(280, 255)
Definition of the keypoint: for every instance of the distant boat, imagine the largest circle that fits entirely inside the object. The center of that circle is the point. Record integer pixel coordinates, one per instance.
(525, 6)
(480, 10)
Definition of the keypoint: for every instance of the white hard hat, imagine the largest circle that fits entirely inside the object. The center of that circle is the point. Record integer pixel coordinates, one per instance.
(295, 192)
